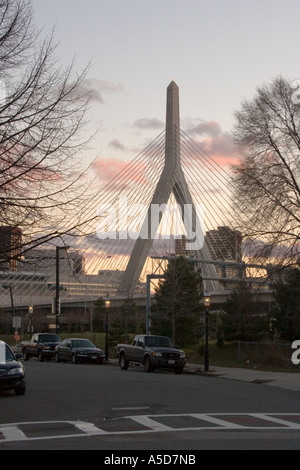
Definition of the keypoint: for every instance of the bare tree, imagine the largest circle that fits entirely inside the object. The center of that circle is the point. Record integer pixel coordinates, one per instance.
(42, 118)
(266, 183)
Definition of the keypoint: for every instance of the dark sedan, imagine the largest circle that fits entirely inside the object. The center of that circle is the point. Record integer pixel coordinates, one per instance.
(12, 373)
(78, 350)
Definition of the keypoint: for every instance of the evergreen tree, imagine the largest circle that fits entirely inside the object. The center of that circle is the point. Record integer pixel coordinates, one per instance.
(176, 308)
(287, 308)
(99, 314)
(124, 322)
(243, 320)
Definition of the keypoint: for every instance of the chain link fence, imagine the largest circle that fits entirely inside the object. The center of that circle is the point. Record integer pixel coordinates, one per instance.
(259, 353)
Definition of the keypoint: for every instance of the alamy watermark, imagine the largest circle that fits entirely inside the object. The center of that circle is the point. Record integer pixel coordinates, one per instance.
(296, 94)
(2, 353)
(123, 221)
(296, 354)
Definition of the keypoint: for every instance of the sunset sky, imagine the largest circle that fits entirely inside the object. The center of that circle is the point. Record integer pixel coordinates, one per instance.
(217, 52)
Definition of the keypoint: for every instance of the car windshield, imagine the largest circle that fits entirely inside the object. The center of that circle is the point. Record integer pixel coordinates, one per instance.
(158, 342)
(6, 354)
(9, 355)
(82, 343)
(50, 339)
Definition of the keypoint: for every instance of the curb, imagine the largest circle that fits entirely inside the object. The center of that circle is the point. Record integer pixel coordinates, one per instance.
(189, 369)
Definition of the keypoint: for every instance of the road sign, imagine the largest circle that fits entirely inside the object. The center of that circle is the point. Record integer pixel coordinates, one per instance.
(55, 305)
(17, 322)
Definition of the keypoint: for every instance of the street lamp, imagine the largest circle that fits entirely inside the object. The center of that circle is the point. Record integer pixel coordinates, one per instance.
(206, 356)
(30, 315)
(57, 289)
(107, 306)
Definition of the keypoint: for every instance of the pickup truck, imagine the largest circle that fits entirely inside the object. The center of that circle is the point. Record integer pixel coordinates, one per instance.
(42, 346)
(153, 352)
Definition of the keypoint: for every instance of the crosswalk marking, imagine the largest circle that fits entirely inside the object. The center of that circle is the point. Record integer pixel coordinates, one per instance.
(273, 419)
(12, 433)
(151, 423)
(217, 421)
(88, 428)
(154, 424)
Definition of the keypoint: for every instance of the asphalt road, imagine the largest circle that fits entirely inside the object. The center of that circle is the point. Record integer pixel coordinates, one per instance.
(100, 407)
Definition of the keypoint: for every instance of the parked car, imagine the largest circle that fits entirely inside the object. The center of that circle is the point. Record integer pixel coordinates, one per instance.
(153, 352)
(42, 346)
(78, 350)
(12, 372)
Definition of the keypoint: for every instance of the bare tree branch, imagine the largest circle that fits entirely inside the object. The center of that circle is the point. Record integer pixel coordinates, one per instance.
(266, 182)
(42, 124)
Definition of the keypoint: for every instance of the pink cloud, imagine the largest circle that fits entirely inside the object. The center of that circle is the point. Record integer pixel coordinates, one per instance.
(221, 149)
(108, 169)
(214, 142)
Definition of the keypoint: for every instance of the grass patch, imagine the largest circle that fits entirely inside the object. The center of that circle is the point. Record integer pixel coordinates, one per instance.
(227, 356)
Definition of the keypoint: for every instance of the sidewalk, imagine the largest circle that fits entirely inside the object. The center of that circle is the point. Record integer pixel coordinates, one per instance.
(288, 380)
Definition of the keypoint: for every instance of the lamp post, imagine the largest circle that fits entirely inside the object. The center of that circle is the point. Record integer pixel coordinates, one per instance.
(206, 356)
(107, 306)
(30, 315)
(57, 288)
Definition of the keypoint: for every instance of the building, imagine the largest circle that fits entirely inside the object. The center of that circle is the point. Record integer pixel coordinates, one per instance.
(44, 261)
(180, 248)
(224, 244)
(10, 247)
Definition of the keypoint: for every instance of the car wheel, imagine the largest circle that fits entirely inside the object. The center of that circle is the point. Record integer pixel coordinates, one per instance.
(57, 357)
(123, 362)
(74, 359)
(40, 356)
(178, 370)
(25, 356)
(20, 391)
(148, 367)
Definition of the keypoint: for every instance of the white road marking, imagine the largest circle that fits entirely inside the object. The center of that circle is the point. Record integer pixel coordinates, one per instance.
(278, 420)
(216, 421)
(151, 423)
(12, 433)
(131, 408)
(88, 428)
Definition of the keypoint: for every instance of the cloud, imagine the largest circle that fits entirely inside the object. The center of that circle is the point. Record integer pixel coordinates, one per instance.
(209, 128)
(108, 168)
(221, 145)
(147, 123)
(221, 148)
(258, 248)
(107, 86)
(110, 171)
(117, 145)
(217, 144)
(96, 88)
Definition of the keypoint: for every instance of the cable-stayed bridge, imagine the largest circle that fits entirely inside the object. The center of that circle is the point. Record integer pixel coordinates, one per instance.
(172, 198)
